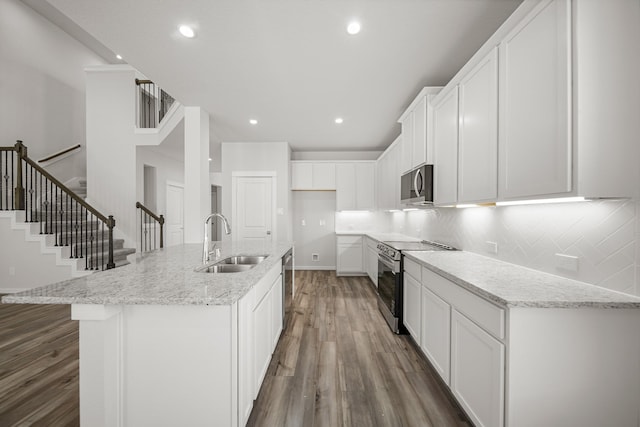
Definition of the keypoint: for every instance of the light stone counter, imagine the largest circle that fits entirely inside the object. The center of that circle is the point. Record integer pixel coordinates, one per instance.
(162, 277)
(511, 285)
(380, 237)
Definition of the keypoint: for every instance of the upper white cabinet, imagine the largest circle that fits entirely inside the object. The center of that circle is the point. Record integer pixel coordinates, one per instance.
(445, 148)
(478, 132)
(313, 175)
(355, 185)
(535, 149)
(388, 177)
(415, 121)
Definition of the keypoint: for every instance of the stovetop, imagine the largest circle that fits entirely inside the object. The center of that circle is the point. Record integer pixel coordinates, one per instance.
(393, 249)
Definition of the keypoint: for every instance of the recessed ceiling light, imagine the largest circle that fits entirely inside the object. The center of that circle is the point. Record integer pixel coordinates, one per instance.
(210, 159)
(353, 27)
(187, 31)
(339, 120)
(118, 56)
(253, 121)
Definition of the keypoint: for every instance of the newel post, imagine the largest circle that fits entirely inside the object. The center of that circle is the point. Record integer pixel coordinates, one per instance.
(111, 223)
(161, 221)
(18, 200)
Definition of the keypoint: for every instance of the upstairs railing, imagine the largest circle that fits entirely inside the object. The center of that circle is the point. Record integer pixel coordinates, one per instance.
(27, 187)
(153, 104)
(151, 227)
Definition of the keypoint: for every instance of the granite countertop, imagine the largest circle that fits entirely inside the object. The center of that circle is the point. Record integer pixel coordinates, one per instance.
(510, 285)
(380, 237)
(163, 277)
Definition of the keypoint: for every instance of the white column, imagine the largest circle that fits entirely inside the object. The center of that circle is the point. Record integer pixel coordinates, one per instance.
(197, 189)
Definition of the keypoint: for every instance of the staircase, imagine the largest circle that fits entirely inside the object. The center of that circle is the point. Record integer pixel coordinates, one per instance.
(57, 215)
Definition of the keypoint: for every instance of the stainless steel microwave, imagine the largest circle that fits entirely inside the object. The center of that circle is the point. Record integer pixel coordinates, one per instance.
(416, 187)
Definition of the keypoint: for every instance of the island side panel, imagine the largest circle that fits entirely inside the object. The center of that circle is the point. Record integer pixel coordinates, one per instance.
(101, 364)
(573, 367)
(179, 366)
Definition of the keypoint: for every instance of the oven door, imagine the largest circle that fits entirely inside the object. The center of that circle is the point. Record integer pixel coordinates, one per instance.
(389, 287)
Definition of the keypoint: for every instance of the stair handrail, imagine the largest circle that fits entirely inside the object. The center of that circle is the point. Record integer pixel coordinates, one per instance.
(144, 243)
(20, 201)
(60, 153)
(151, 116)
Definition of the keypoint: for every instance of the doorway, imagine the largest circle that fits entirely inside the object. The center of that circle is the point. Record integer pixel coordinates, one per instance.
(253, 204)
(175, 214)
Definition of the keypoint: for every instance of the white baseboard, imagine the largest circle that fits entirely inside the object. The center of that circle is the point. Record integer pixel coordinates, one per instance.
(315, 267)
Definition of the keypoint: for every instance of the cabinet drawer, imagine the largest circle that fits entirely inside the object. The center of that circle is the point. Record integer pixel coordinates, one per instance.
(482, 312)
(349, 240)
(372, 243)
(413, 268)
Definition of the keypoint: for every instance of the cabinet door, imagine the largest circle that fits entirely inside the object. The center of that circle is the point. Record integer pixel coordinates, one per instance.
(436, 332)
(477, 372)
(445, 123)
(407, 143)
(246, 386)
(419, 151)
(365, 186)
(372, 265)
(324, 176)
(262, 316)
(535, 153)
(411, 306)
(301, 176)
(276, 312)
(345, 187)
(350, 259)
(478, 137)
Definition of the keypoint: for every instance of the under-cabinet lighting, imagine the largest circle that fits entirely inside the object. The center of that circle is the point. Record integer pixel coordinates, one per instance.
(393, 210)
(409, 209)
(119, 57)
(187, 31)
(353, 211)
(467, 205)
(210, 159)
(542, 201)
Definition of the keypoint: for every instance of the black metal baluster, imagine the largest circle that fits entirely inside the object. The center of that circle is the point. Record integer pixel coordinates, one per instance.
(40, 205)
(102, 263)
(155, 231)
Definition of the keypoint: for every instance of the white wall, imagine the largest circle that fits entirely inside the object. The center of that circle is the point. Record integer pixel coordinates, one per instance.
(111, 148)
(605, 235)
(16, 262)
(259, 156)
(312, 207)
(42, 89)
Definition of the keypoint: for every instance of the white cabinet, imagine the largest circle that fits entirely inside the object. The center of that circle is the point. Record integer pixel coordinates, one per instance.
(313, 175)
(388, 177)
(477, 371)
(349, 255)
(445, 145)
(411, 303)
(478, 133)
(355, 186)
(535, 149)
(415, 149)
(436, 332)
(276, 311)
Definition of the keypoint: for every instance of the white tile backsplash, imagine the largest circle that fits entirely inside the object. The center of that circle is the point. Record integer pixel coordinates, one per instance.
(604, 235)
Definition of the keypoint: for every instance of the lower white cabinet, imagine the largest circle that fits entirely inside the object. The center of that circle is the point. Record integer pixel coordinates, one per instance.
(372, 265)
(411, 306)
(477, 371)
(349, 254)
(261, 340)
(436, 332)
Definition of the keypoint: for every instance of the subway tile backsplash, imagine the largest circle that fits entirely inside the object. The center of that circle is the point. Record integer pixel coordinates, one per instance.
(604, 235)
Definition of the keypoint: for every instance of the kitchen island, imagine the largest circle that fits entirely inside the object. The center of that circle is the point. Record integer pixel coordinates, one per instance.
(162, 344)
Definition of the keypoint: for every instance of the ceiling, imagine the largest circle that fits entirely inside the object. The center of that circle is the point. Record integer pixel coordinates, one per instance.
(290, 64)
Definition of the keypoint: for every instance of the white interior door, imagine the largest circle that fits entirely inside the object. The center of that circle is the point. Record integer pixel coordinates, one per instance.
(253, 209)
(175, 215)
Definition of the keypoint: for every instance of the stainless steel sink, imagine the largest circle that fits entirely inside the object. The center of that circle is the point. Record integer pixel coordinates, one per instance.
(233, 264)
(225, 268)
(243, 260)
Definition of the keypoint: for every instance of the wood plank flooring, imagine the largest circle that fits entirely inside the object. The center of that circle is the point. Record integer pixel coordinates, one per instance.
(338, 364)
(38, 366)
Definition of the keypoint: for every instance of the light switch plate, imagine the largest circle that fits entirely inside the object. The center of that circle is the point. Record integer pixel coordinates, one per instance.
(492, 247)
(315, 257)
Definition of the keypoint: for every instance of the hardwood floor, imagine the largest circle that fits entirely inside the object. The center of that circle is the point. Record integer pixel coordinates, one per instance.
(38, 366)
(338, 364)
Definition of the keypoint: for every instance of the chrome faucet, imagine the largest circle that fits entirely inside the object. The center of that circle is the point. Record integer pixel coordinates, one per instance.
(205, 245)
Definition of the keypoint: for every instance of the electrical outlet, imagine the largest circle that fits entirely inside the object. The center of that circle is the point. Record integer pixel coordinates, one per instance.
(315, 257)
(567, 262)
(492, 247)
